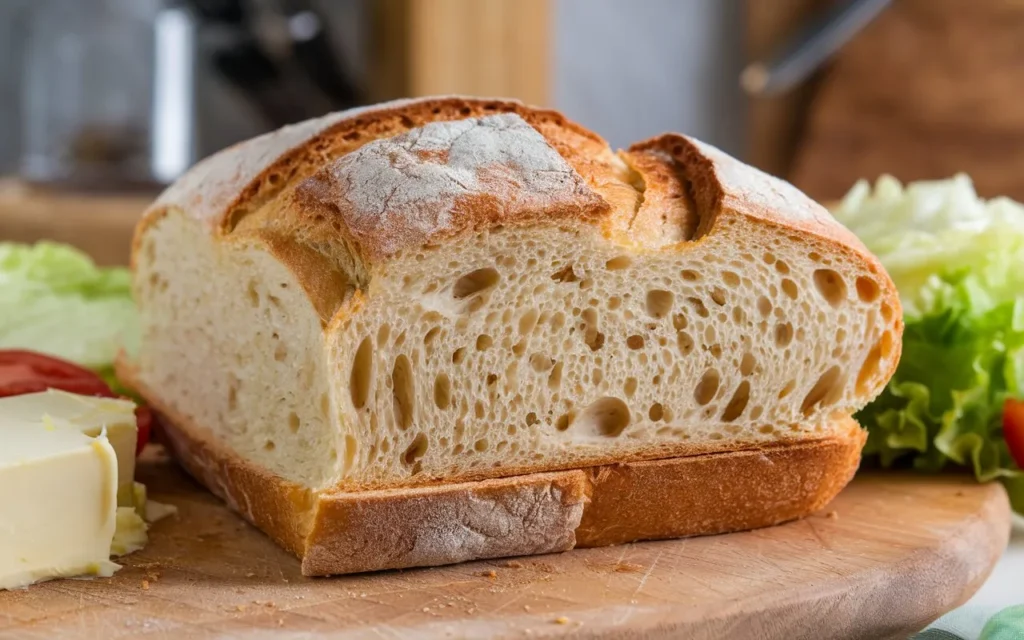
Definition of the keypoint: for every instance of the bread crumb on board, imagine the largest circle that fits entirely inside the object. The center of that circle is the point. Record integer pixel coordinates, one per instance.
(832, 515)
(145, 585)
(561, 620)
(628, 567)
(514, 564)
(489, 574)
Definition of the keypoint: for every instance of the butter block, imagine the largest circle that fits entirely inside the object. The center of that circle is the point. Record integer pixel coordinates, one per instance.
(58, 500)
(90, 415)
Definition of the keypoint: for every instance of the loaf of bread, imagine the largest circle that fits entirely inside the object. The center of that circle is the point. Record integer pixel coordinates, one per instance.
(378, 327)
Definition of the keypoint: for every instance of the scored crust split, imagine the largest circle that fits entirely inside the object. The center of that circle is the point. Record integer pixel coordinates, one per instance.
(402, 309)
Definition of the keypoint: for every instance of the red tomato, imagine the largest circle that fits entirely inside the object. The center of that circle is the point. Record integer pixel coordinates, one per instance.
(24, 372)
(1013, 429)
(44, 364)
(144, 420)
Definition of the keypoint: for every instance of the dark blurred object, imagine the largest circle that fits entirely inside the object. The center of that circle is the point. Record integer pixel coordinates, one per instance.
(278, 54)
(931, 88)
(928, 89)
(811, 47)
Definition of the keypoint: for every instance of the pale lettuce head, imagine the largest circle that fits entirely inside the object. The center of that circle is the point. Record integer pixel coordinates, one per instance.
(958, 263)
(57, 301)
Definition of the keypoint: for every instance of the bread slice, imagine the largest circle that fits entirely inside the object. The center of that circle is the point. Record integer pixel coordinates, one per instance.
(448, 290)
(337, 531)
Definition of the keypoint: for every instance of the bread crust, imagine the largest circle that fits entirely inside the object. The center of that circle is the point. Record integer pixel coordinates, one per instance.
(336, 532)
(277, 188)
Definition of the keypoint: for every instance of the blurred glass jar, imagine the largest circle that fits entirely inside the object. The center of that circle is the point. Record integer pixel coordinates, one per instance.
(107, 93)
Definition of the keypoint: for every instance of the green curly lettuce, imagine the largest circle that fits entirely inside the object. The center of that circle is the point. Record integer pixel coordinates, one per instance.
(958, 263)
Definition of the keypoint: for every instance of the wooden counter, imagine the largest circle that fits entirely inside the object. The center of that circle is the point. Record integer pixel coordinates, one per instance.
(99, 224)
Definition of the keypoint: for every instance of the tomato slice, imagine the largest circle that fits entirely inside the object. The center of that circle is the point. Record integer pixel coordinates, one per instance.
(44, 364)
(24, 372)
(144, 420)
(1013, 429)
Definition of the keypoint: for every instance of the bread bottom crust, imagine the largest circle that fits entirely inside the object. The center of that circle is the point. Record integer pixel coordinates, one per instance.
(336, 532)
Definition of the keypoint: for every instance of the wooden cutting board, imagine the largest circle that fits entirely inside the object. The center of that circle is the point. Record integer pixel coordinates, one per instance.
(889, 555)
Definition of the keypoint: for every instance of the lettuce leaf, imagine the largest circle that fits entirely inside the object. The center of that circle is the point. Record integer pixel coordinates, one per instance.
(958, 263)
(56, 300)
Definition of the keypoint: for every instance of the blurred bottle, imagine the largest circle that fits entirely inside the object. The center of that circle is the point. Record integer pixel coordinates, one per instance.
(107, 90)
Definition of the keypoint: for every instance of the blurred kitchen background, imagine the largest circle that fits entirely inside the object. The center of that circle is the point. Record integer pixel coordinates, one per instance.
(104, 101)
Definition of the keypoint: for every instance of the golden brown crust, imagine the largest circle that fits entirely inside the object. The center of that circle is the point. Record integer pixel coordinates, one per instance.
(339, 532)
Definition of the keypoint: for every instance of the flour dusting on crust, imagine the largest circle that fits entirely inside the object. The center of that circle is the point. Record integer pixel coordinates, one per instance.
(434, 181)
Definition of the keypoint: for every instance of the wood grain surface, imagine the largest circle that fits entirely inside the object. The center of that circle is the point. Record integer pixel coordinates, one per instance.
(929, 89)
(100, 225)
(888, 556)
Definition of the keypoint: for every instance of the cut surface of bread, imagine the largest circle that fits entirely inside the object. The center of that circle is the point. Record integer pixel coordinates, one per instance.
(451, 290)
(336, 532)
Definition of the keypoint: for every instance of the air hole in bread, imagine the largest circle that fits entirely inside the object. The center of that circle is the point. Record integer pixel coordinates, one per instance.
(867, 289)
(253, 294)
(679, 322)
(764, 306)
(430, 336)
(656, 412)
(293, 422)
(475, 282)
(630, 387)
(789, 288)
(607, 417)
(478, 410)
(269, 445)
(531, 419)
(351, 449)
(886, 344)
(280, 351)
(564, 421)
(480, 445)
(730, 278)
(659, 303)
(869, 369)
(484, 342)
(416, 449)
(886, 311)
(690, 275)
(737, 403)
(232, 396)
(635, 342)
(769, 258)
(540, 362)
(756, 412)
(555, 377)
(614, 303)
(747, 364)
(618, 263)
(565, 274)
(491, 379)
(698, 306)
(383, 333)
(403, 392)
(459, 355)
(528, 321)
(783, 334)
(707, 387)
(718, 296)
(685, 342)
(831, 286)
(442, 391)
(823, 391)
(362, 373)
